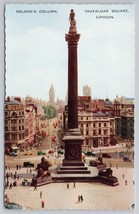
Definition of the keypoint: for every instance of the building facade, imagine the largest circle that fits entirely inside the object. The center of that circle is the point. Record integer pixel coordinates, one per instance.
(97, 128)
(127, 126)
(14, 123)
(86, 91)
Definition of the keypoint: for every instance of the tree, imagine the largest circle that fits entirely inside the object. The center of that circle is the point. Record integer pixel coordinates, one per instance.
(49, 112)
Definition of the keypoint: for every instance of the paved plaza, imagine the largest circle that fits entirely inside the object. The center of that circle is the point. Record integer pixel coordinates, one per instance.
(58, 196)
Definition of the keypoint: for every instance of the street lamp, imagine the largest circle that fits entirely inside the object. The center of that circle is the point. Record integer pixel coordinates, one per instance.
(99, 138)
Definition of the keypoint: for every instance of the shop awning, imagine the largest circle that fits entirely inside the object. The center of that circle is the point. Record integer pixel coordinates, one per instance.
(14, 147)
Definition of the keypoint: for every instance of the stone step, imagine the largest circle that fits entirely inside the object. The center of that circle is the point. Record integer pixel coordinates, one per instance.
(84, 178)
(73, 172)
(75, 177)
(73, 168)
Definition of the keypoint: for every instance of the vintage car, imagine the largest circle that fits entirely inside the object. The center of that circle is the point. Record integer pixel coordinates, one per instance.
(105, 155)
(41, 153)
(13, 154)
(28, 153)
(28, 164)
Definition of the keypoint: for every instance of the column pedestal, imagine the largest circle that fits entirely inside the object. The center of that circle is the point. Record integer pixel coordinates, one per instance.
(73, 148)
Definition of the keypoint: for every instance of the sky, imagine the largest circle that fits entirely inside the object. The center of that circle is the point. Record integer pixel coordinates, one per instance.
(37, 53)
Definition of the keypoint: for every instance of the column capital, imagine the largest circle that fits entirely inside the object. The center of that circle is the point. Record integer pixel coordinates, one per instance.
(72, 39)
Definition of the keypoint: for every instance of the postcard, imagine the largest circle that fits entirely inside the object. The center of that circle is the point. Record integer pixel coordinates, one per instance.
(69, 106)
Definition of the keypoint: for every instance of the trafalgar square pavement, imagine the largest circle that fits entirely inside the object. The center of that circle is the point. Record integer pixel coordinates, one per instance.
(96, 196)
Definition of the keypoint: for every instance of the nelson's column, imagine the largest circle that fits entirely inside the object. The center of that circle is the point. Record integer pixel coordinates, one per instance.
(73, 138)
(73, 168)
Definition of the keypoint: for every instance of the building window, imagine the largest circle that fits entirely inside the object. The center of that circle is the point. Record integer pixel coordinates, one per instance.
(86, 118)
(105, 124)
(94, 125)
(81, 124)
(6, 129)
(105, 132)
(87, 142)
(14, 128)
(20, 137)
(14, 137)
(13, 121)
(81, 118)
(7, 137)
(131, 125)
(99, 131)
(94, 132)
(87, 125)
(86, 132)
(14, 114)
(99, 124)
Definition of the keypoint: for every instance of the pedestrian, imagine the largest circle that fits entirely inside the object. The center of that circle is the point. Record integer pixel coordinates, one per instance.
(17, 166)
(7, 183)
(67, 186)
(40, 194)
(42, 204)
(30, 170)
(74, 186)
(81, 197)
(7, 175)
(123, 176)
(35, 187)
(133, 182)
(125, 182)
(10, 187)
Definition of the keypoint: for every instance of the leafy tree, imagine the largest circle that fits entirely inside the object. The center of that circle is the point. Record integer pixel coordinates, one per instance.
(49, 112)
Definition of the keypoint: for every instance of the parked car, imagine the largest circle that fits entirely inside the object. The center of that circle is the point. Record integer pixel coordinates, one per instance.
(41, 153)
(105, 155)
(28, 153)
(13, 154)
(51, 151)
(127, 159)
(121, 154)
(60, 152)
(95, 162)
(25, 182)
(28, 164)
